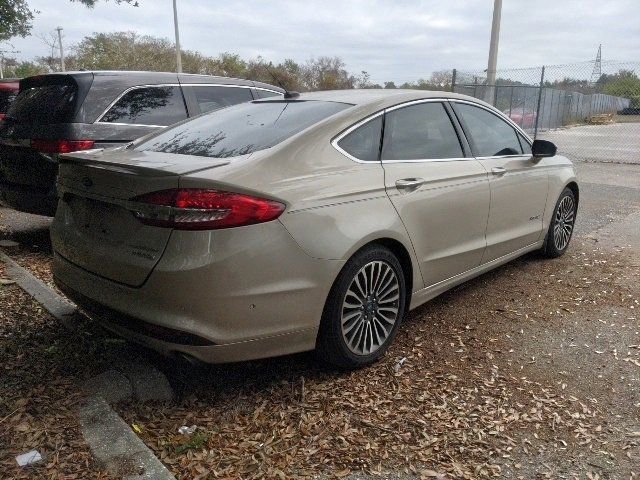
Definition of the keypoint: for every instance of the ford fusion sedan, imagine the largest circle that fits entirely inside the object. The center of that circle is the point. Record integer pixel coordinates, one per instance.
(66, 112)
(310, 222)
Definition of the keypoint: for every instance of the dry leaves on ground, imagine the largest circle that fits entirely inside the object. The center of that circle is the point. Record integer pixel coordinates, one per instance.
(461, 404)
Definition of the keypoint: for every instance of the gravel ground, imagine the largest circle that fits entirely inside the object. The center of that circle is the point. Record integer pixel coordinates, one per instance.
(612, 143)
(530, 371)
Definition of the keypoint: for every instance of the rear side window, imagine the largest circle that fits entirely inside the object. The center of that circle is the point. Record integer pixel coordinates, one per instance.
(420, 132)
(241, 129)
(148, 106)
(363, 143)
(214, 98)
(491, 135)
(45, 104)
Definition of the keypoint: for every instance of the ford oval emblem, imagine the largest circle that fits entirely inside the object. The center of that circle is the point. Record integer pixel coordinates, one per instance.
(87, 182)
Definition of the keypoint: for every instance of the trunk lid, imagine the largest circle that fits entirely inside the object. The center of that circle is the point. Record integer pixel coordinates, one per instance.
(95, 226)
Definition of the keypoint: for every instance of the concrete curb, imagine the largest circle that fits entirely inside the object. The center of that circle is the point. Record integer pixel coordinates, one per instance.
(56, 305)
(114, 444)
(109, 437)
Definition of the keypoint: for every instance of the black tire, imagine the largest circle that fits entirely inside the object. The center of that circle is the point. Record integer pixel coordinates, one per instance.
(553, 248)
(332, 346)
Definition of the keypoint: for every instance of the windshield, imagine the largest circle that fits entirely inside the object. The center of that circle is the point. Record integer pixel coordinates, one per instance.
(7, 96)
(241, 129)
(45, 103)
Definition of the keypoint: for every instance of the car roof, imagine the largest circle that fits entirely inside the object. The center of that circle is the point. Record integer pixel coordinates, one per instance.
(385, 95)
(125, 73)
(136, 77)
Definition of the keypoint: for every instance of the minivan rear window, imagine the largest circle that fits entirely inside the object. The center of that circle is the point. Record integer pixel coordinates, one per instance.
(45, 104)
(241, 129)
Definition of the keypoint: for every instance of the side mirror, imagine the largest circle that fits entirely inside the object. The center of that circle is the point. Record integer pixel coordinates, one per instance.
(543, 148)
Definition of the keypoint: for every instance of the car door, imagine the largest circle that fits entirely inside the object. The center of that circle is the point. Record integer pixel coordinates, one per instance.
(518, 182)
(441, 194)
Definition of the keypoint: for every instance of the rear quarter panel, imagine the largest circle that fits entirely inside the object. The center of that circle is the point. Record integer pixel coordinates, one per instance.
(334, 205)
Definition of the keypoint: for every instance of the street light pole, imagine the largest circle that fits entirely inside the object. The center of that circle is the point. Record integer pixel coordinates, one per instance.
(59, 29)
(175, 24)
(493, 51)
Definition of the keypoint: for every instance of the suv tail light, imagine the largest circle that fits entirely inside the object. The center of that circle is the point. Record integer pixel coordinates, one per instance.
(61, 146)
(199, 209)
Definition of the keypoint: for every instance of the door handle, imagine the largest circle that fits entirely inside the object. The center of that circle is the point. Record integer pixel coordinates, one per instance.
(409, 184)
(499, 171)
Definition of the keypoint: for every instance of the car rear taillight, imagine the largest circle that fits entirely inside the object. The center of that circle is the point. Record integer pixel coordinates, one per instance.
(200, 209)
(3, 116)
(61, 146)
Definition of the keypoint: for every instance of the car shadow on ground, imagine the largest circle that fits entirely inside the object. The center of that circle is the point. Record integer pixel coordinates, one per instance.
(29, 230)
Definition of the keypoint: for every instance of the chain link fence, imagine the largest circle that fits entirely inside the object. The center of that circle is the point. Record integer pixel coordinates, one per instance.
(591, 110)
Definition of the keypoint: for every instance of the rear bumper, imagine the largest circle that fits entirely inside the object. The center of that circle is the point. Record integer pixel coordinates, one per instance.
(226, 296)
(197, 347)
(28, 199)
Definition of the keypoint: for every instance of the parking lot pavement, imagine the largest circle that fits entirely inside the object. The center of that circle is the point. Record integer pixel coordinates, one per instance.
(615, 143)
(530, 371)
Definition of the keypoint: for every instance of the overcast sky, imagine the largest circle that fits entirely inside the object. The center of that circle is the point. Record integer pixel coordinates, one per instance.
(396, 40)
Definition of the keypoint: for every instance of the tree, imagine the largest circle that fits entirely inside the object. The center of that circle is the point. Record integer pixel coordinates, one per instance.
(92, 3)
(389, 85)
(441, 79)
(14, 68)
(624, 84)
(130, 51)
(326, 73)
(17, 17)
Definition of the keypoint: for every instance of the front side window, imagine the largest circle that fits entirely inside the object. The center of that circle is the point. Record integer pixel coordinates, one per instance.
(363, 143)
(241, 129)
(491, 135)
(211, 98)
(148, 106)
(526, 147)
(420, 132)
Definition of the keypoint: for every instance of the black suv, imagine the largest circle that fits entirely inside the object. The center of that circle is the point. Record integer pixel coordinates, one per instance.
(67, 112)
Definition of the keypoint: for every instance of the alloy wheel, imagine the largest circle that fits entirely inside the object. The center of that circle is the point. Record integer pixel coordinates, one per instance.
(370, 307)
(563, 226)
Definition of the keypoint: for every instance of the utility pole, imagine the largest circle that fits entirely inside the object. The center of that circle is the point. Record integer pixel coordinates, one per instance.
(175, 24)
(493, 51)
(59, 29)
(2, 52)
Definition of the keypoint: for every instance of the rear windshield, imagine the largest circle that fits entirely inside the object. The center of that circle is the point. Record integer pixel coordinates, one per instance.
(241, 129)
(45, 104)
(6, 98)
